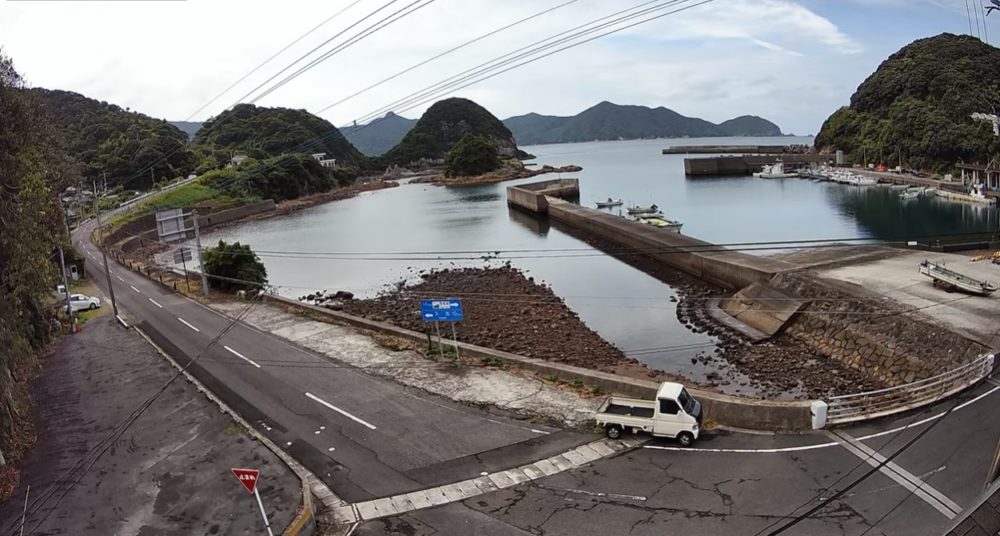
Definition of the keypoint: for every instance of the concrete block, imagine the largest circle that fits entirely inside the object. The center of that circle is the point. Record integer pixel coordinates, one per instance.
(516, 475)
(547, 467)
(367, 510)
(561, 463)
(588, 453)
(532, 472)
(501, 480)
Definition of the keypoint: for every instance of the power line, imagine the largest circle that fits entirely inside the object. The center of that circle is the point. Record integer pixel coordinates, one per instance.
(527, 50)
(275, 55)
(386, 21)
(802, 517)
(445, 53)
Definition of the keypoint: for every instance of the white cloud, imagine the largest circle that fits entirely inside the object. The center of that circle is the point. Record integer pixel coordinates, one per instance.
(168, 58)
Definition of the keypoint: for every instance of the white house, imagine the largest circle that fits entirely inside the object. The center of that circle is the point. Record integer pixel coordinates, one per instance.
(323, 160)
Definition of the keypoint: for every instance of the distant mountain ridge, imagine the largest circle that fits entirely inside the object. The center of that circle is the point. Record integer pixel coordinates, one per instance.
(604, 121)
(188, 127)
(380, 134)
(609, 121)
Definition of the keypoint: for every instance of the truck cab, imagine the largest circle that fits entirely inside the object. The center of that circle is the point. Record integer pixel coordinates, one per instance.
(674, 414)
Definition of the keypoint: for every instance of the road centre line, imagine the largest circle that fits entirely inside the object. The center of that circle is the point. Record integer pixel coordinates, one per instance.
(241, 356)
(120, 278)
(188, 325)
(825, 445)
(340, 411)
(135, 289)
(151, 300)
(909, 481)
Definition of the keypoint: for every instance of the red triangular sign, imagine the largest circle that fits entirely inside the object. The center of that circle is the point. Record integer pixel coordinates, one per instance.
(247, 477)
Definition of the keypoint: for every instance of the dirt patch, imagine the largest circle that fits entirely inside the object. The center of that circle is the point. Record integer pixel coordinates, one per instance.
(505, 310)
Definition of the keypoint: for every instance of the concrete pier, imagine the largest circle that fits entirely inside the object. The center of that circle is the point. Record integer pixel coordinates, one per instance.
(730, 269)
(747, 164)
(532, 197)
(726, 149)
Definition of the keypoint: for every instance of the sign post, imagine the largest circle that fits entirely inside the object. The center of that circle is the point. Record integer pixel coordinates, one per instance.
(248, 477)
(447, 310)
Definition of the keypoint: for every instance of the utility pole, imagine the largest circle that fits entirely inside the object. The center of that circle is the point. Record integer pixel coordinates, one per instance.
(201, 262)
(62, 264)
(104, 255)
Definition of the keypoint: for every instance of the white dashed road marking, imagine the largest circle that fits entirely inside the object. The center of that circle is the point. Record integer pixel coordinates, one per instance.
(340, 411)
(135, 289)
(120, 278)
(188, 325)
(904, 478)
(241, 356)
(151, 300)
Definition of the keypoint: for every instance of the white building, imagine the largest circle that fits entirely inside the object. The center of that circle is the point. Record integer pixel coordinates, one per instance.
(323, 160)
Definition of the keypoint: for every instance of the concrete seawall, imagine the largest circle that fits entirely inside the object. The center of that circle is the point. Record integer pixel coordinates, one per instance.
(533, 197)
(730, 269)
(744, 165)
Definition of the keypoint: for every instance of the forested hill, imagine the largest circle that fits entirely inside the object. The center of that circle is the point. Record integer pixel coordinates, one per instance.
(920, 100)
(379, 135)
(446, 122)
(102, 137)
(262, 132)
(609, 121)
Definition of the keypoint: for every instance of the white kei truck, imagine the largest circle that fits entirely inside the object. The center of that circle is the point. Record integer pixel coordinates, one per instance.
(674, 413)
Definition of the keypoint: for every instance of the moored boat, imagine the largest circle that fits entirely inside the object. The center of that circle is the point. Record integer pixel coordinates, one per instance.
(909, 194)
(609, 203)
(775, 171)
(953, 280)
(660, 221)
(652, 209)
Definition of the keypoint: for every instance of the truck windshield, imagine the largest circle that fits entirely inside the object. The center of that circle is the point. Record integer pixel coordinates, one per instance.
(687, 402)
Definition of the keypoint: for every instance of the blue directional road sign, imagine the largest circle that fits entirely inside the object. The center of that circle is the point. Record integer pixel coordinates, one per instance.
(449, 310)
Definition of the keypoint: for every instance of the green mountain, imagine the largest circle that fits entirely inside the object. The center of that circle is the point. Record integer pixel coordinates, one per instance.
(920, 101)
(261, 132)
(750, 125)
(608, 121)
(446, 122)
(101, 137)
(188, 127)
(379, 135)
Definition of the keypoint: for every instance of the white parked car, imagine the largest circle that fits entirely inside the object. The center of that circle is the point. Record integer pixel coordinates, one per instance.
(82, 302)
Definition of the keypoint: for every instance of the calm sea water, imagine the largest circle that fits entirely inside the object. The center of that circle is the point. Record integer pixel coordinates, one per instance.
(366, 243)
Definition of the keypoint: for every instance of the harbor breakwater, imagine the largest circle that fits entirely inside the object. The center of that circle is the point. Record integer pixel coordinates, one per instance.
(856, 328)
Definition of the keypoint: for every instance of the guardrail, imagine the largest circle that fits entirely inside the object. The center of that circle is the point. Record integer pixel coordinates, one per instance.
(874, 404)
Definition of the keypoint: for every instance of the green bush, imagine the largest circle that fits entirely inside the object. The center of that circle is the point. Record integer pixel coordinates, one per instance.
(472, 155)
(234, 267)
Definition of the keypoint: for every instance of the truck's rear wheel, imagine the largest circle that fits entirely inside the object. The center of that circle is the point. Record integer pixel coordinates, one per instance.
(685, 439)
(614, 431)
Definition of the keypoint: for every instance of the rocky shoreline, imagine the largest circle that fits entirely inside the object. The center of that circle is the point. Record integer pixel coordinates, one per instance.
(508, 310)
(505, 174)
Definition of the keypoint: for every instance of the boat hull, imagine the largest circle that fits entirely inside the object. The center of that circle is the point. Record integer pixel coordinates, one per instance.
(952, 280)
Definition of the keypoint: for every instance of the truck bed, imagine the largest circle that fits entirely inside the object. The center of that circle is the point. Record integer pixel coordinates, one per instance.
(629, 410)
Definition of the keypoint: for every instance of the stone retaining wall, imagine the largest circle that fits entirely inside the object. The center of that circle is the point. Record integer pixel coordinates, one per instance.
(869, 333)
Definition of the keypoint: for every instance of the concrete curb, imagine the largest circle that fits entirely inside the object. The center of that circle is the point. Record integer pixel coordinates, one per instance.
(725, 410)
(304, 522)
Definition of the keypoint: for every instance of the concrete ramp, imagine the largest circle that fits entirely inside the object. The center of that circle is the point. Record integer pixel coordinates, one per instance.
(763, 307)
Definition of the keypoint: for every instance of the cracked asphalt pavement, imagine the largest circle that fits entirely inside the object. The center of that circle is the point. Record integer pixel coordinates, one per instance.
(741, 484)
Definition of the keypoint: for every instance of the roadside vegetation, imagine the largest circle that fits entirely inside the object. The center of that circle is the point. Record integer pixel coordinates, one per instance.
(30, 230)
(234, 267)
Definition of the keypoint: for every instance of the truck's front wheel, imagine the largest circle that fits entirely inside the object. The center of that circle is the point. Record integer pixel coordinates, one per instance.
(685, 439)
(614, 431)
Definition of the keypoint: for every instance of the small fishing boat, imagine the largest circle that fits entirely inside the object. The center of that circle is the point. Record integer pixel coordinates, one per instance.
(652, 209)
(609, 203)
(909, 194)
(775, 171)
(952, 280)
(660, 221)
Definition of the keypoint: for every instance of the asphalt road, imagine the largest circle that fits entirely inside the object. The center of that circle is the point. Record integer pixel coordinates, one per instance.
(741, 484)
(364, 436)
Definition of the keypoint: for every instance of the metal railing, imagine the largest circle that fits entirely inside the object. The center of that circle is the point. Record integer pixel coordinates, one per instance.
(882, 402)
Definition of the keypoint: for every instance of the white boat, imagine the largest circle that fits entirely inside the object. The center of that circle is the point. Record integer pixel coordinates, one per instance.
(909, 194)
(775, 171)
(660, 221)
(952, 280)
(652, 209)
(609, 203)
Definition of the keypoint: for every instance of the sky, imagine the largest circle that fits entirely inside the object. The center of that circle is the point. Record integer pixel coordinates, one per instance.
(791, 61)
